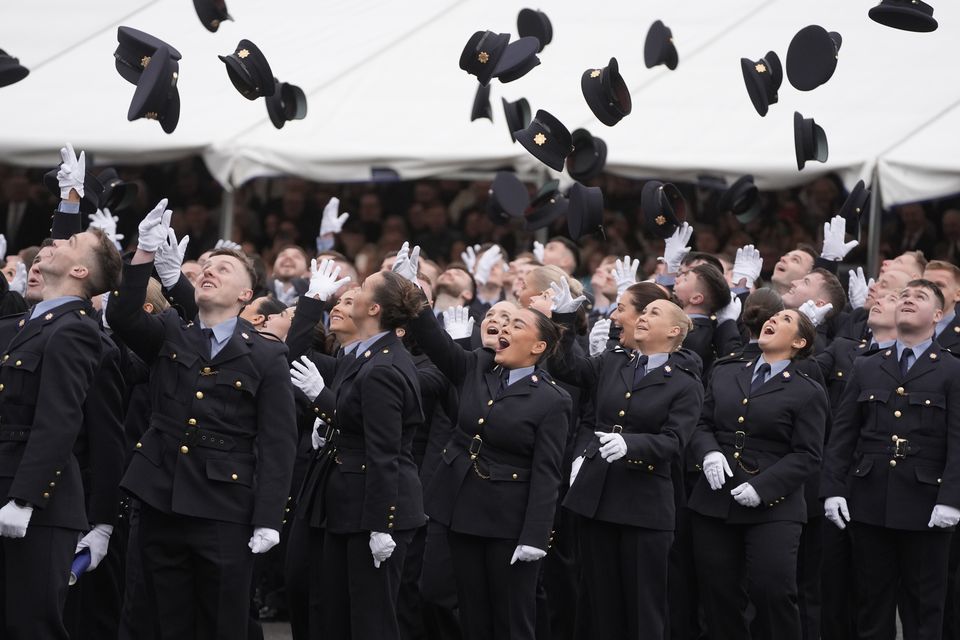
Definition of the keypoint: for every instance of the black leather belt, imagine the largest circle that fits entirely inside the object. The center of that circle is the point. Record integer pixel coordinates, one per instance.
(740, 441)
(900, 448)
(195, 437)
(14, 434)
(474, 445)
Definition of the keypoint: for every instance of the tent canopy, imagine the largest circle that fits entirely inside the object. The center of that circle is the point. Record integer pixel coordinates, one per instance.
(384, 90)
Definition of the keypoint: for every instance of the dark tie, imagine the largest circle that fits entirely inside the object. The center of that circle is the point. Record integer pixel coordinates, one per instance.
(759, 378)
(640, 370)
(504, 382)
(208, 335)
(907, 353)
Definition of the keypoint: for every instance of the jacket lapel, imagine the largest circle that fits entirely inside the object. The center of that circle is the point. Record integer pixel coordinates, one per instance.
(31, 328)
(745, 376)
(237, 346)
(926, 362)
(628, 370)
(362, 358)
(889, 364)
(523, 386)
(776, 383)
(492, 379)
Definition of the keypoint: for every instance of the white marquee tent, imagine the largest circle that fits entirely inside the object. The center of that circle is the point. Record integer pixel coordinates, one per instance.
(385, 90)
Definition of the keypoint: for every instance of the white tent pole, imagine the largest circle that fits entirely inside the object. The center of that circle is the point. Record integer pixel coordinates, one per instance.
(226, 215)
(873, 234)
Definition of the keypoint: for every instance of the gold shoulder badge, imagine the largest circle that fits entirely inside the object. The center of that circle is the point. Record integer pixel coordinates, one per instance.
(540, 139)
(888, 352)
(933, 356)
(366, 354)
(786, 375)
(21, 323)
(535, 378)
(667, 369)
(49, 316)
(660, 220)
(245, 336)
(386, 350)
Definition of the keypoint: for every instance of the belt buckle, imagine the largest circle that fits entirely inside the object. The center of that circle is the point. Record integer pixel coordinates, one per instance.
(328, 434)
(900, 448)
(739, 438)
(617, 428)
(478, 441)
(189, 436)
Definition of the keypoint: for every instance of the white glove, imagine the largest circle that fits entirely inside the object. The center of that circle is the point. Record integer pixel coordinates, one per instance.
(3, 247)
(152, 231)
(836, 510)
(104, 299)
(814, 313)
(858, 288)
(538, 249)
(169, 257)
(575, 468)
(525, 553)
(563, 300)
(485, 264)
(323, 279)
(317, 440)
(14, 520)
(407, 264)
(381, 547)
(223, 243)
(72, 171)
(944, 516)
(263, 539)
(599, 336)
(731, 311)
(105, 221)
(458, 323)
(19, 282)
(834, 247)
(331, 223)
(305, 376)
(98, 541)
(469, 257)
(625, 273)
(746, 495)
(747, 266)
(714, 466)
(675, 248)
(612, 446)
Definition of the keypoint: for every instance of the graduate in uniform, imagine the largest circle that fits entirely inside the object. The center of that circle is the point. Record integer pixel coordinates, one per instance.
(213, 469)
(892, 471)
(762, 427)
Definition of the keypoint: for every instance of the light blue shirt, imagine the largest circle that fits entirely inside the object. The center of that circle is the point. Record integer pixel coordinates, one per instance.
(945, 322)
(886, 344)
(655, 360)
(68, 207)
(519, 374)
(776, 368)
(918, 351)
(366, 344)
(221, 335)
(44, 306)
(350, 347)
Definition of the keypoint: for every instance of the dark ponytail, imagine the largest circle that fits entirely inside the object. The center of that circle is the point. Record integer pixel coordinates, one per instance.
(548, 331)
(399, 299)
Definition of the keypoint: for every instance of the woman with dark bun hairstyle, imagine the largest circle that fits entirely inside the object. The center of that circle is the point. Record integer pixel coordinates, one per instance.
(496, 486)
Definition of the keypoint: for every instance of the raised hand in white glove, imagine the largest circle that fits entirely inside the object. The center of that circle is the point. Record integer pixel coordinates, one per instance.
(747, 266)
(305, 376)
(575, 468)
(263, 539)
(834, 248)
(104, 299)
(714, 467)
(746, 495)
(98, 541)
(599, 336)
(835, 508)
(858, 288)
(469, 257)
(107, 222)
(731, 311)
(169, 258)
(317, 440)
(407, 264)
(675, 248)
(563, 300)
(3, 247)
(381, 547)
(612, 446)
(526, 553)
(457, 322)
(944, 516)
(624, 272)
(324, 280)
(19, 282)
(152, 231)
(486, 263)
(223, 243)
(816, 314)
(72, 171)
(14, 520)
(538, 250)
(331, 223)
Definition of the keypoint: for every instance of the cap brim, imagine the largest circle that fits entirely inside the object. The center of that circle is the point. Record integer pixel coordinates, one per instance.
(755, 88)
(903, 18)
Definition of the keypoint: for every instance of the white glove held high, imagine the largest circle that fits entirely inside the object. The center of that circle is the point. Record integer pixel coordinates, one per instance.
(324, 280)
(816, 314)
(834, 248)
(457, 322)
(675, 248)
(72, 171)
(858, 288)
(538, 250)
(599, 336)
(747, 266)
(169, 258)
(486, 263)
(152, 231)
(624, 272)
(563, 300)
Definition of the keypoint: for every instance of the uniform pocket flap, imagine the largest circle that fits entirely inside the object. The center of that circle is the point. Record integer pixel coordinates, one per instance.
(150, 446)
(350, 462)
(240, 380)
(922, 399)
(227, 470)
(450, 454)
(874, 395)
(863, 468)
(928, 475)
(178, 354)
(22, 360)
(508, 473)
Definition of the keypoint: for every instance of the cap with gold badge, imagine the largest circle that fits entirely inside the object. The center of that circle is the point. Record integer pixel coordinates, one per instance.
(763, 78)
(547, 140)
(249, 71)
(658, 48)
(606, 93)
(156, 96)
(288, 102)
(211, 13)
(663, 207)
(134, 51)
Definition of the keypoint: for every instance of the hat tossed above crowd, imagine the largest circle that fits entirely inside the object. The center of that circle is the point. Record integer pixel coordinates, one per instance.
(489, 55)
(589, 156)
(546, 139)
(11, 70)
(517, 114)
(249, 71)
(481, 104)
(906, 15)
(662, 207)
(548, 205)
(809, 140)
(535, 23)
(152, 65)
(288, 102)
(117, 193)
(659, 48)
(211, 13)
(812, 57)
(135, 50)
(509, 198)
(742, 199)
(854, 207)
(585, 210)
(606, 93)
(763, 78)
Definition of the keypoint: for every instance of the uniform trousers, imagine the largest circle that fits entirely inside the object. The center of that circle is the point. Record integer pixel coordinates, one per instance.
(951, 615)
(741, 564)
(93, 604)
(296, 574)
(438, 590)
(809, 559)
(905, 570)
(498, 600)
(198, 574)
(33, 583)
(561, 575)
(358, 600)
(625, 574)
(838, 587)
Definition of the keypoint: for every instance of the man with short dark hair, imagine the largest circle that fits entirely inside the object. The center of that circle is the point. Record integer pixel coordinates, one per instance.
(562, 252)
(947, 277)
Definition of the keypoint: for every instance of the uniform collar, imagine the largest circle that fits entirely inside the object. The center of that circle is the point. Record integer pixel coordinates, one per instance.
(945, 321)
(655, 360)
(519, 374)
(44, 306)
(776, 368)
(223, 330)
(918, 350)
(366, 344)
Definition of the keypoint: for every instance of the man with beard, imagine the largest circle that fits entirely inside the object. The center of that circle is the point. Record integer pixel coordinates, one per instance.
(288, 281)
